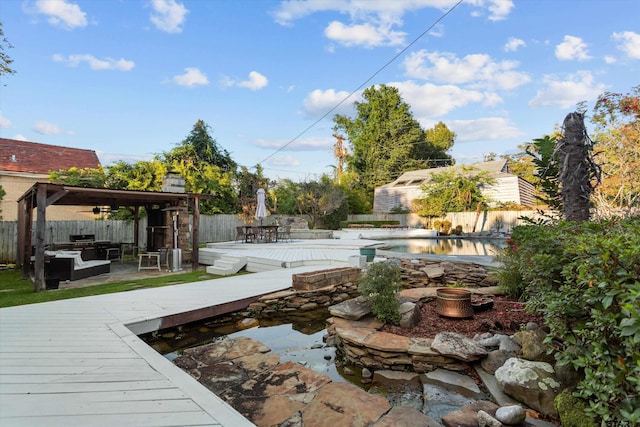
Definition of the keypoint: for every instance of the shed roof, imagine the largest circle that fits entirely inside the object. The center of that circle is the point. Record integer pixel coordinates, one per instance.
(32, 157)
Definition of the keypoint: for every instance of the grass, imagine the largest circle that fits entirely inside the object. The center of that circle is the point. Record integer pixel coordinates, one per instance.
(14, 290)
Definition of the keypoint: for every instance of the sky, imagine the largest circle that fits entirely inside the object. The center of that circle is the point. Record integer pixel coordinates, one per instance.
(130, 78)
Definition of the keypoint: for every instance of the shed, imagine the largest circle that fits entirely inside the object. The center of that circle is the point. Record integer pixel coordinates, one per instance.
(507, 187)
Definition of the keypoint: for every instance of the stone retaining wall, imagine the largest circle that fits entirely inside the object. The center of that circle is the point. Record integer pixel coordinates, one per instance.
(420, 273)
(315, 290)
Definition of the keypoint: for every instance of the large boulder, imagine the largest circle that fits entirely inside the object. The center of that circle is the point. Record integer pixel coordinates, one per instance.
(532, 383)
(353, 309)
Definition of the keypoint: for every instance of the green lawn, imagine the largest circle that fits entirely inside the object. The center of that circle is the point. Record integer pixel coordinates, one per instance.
(14, 290)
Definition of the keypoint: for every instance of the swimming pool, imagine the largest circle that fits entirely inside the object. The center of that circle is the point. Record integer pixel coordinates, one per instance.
(446, 246)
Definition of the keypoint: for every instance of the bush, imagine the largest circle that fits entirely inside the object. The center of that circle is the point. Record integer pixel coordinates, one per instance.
(379, 284)
(585, 278)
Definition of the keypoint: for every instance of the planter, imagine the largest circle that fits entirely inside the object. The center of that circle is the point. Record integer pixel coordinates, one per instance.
(454, 302)
(370, 253)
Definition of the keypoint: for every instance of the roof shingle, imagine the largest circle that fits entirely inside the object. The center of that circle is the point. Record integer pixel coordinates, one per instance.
(32, 157)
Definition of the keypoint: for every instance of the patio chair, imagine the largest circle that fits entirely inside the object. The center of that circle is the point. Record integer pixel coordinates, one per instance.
(242, 235)
(284, 233)
(257, 234)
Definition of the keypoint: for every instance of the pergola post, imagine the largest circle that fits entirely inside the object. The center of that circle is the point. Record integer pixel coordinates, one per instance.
(195, 233)
(41, 226)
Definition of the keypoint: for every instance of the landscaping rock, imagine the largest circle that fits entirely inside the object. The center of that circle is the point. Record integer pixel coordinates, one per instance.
(353, 309)
(495, 359)
(533, 346)
(458, 346)
(532, 383)
(486, 420)
(388, 381)
(453, 381)
(406, 416)
(409, 314)
(467, 416)
(511, 415)
(343, 404)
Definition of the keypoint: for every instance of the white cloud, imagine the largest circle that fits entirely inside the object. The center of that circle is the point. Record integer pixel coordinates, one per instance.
(4, 122)
(366, 35)
(95, 63)
(289, 11)
(168, 15)
(499, 9)
(484, 129)
(301, 144)
(477, 70)
(429, 100)
(191, 77)
(319, 102)
(629, 43)
(256, 81)
(284, 161)
(19, 137)
(514, 44)
(610, 59)
(567, 93)
(46, 128)
(371, 23)
(572, 48)
(62, 14)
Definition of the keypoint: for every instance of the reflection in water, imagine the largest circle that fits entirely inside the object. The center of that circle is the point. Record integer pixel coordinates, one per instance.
(489, 247)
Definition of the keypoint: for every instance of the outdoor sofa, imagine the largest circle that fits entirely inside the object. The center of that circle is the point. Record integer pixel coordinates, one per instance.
(69, 265)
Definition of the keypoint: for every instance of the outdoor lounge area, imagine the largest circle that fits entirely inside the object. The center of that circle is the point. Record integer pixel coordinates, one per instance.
(83, 255)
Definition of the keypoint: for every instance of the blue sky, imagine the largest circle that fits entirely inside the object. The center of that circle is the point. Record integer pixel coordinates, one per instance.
(129, 79)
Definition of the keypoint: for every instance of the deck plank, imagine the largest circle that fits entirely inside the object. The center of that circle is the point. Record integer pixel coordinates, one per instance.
(74, 362)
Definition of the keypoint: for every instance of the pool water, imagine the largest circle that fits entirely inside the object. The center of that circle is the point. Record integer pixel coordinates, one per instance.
(448, 246)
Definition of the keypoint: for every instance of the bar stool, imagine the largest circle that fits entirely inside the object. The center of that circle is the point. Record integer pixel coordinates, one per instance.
(149, 256)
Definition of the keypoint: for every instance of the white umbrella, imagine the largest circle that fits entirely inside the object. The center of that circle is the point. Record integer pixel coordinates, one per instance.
(261, 208)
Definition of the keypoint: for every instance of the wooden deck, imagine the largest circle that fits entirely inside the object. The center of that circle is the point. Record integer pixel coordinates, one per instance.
(79, 362)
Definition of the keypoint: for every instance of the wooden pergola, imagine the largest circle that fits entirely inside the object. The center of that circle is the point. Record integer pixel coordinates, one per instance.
(42, 195)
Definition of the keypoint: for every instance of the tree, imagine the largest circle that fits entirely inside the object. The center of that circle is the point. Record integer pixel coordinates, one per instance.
(617, 120)
(439, 140)
(542, 152)
(318, 199)
(385, 139)
(140, 176)
(5, 59)
(206, 168)
(285, 192)
(200, 147)
(83, 177)
(456, 189)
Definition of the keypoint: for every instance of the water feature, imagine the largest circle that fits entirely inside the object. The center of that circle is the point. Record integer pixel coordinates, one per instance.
(446, 246)
(295, 337)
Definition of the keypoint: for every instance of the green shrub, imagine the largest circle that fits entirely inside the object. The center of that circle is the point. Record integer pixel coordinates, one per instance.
(585, 278)
(379, 284)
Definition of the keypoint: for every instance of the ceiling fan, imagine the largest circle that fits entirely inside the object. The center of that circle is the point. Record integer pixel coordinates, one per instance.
(98, 210)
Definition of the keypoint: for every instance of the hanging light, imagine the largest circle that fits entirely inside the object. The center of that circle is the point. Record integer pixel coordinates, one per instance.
(96, 210)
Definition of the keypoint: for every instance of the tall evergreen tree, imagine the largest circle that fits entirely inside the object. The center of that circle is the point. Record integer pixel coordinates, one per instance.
(385, 139)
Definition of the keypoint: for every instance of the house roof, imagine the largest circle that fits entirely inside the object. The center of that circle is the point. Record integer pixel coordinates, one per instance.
(32, 157)
(418, 177)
